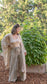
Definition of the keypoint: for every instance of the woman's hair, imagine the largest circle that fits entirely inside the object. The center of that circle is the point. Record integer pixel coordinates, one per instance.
(13, 31)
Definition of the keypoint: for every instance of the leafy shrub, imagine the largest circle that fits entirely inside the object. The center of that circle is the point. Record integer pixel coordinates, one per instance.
(35, 45)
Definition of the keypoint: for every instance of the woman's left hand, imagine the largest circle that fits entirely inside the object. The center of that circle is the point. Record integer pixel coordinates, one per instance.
(25, 53)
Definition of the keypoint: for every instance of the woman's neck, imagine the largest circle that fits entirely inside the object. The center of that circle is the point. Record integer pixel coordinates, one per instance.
(17, 33)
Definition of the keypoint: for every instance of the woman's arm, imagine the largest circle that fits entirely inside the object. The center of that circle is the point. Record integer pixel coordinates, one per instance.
(23, 45)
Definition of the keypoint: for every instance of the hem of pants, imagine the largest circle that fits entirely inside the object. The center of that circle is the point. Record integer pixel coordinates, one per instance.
(23, 76)
(14, 80)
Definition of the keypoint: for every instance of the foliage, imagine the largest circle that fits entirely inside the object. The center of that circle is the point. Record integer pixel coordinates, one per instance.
(21, 10)
(35, 45)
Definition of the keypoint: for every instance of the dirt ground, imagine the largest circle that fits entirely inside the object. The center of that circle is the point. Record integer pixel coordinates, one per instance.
(32, 78)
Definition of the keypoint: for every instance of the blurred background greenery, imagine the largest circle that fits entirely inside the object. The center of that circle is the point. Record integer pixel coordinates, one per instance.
(30, 14)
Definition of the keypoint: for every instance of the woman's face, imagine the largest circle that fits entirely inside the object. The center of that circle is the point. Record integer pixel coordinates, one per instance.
(18, 29)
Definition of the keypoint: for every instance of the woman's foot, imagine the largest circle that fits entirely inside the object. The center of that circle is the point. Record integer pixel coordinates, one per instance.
(12, 80)
(23, 79)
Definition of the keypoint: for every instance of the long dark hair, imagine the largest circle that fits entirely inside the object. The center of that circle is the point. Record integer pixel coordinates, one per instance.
(13, 31)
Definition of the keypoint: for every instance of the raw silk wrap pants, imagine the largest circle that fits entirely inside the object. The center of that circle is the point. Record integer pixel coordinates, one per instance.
(17, 63)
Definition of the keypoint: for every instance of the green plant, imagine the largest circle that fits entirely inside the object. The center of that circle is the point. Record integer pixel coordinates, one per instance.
(35, 45)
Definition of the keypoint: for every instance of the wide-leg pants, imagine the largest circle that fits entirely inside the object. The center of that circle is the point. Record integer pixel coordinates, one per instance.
(17, 63)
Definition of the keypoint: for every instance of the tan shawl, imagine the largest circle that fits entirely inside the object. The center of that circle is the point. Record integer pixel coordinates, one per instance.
(6, 50)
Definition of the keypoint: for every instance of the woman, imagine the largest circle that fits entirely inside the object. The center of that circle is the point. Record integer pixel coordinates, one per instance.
(14, 54)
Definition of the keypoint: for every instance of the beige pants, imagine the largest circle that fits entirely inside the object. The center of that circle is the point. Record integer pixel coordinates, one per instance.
(17, 63)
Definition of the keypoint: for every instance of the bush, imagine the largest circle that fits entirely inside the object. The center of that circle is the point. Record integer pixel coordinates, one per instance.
(35, 45)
